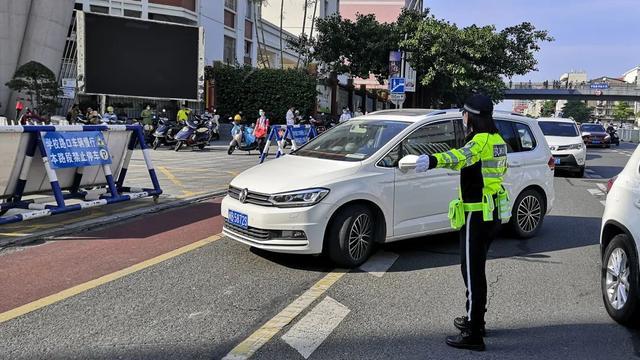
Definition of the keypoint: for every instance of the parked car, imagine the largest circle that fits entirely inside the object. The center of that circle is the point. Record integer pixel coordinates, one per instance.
(595, 135)
(343, 192)
(566, 144)
(619, 244)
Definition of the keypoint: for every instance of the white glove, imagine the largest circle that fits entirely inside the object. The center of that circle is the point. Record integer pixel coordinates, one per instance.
(422, 164)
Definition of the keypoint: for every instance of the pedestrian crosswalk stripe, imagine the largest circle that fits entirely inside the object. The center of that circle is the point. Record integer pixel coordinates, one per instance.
(255, 341)
(309, 333)
(595, 192)
(602, 187)
(604, 203)
(379, 263)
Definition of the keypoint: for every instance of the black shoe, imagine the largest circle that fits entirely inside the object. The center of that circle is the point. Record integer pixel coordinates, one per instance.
(467, 341)
(462, 324)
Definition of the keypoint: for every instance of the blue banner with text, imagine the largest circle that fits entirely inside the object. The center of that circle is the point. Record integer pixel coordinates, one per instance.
(75, 149)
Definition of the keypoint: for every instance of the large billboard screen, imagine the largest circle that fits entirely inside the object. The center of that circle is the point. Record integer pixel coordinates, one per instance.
(128, 57)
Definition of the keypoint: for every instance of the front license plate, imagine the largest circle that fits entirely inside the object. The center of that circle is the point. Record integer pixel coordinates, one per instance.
(595, 142)
(238, 219)
(557, 161)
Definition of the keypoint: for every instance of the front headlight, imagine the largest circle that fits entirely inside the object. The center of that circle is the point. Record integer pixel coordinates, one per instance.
(576, 146)
(299, 198)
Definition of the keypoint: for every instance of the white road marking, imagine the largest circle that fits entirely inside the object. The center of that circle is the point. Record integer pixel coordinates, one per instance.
(604, 203)
(595, 192)
(590, 171)
(379, 263)
(309, 333)
(602, 187)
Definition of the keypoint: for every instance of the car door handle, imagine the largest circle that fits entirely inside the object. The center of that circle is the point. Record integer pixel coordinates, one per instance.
(514, 164)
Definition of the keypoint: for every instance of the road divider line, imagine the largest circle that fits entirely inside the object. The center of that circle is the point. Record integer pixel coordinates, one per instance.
(595, 192)
(379, 263)
(255, 341)
(78, 289)
(309, 333)
(170, 176)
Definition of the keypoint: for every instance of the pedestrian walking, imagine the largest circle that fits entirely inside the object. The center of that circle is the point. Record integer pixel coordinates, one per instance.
(483, 203)
(290, 117)
(261, 130)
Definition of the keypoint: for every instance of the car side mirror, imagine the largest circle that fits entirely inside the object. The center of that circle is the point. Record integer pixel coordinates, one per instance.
(407, 163)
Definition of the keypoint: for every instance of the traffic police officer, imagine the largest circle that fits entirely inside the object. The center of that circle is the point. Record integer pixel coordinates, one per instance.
(482, 205)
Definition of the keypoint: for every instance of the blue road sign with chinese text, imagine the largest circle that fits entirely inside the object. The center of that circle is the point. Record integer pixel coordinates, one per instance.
(75, 149)
(396, 85)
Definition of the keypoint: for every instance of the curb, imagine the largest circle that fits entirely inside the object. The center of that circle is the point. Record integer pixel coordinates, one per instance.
(91, 224)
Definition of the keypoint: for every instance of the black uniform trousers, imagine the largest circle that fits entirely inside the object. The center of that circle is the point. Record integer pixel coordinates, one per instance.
(475, 238)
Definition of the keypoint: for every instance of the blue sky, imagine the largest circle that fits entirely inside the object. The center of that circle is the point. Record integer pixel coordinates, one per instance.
(600, 37)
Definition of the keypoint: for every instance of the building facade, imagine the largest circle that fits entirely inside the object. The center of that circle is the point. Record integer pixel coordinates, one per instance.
(30, 30)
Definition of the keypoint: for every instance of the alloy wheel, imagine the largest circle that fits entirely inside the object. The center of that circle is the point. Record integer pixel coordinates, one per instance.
(617, 278)
(529, 213)
(360, 236)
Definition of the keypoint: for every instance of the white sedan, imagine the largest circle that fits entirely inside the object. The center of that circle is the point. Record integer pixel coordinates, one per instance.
(343, 192)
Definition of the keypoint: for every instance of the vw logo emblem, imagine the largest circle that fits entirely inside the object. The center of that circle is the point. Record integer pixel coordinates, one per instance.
(243, 195)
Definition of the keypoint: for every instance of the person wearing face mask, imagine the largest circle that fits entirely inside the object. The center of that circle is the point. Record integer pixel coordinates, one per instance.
(261, 130)
(482, 205)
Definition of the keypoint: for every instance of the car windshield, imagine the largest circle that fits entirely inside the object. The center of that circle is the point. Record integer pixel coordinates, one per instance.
(354, 140)
(555, 128)
(592, 127)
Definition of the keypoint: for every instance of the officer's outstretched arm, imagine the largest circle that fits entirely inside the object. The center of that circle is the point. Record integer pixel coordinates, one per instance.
(457, 159)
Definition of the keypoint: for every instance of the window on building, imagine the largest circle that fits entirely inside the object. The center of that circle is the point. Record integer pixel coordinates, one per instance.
(248, 47)
(229, 19)
(231, 4)
(99, 9)
(249, 13)
(229, 50)
(132, 13)
(248, 29)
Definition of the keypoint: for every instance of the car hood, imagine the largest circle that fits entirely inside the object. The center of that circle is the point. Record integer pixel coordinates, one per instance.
(594, 133)
(292, 172)
(563, 140)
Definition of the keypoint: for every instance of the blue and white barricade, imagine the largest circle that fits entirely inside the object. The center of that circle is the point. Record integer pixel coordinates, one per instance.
(64, 161)
(298, 134)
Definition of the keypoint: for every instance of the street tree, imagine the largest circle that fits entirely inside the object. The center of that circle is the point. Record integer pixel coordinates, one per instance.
(622, 112)
(39, 83)
(453, 62)
(548, 108)
(358, 48)
(577, 110)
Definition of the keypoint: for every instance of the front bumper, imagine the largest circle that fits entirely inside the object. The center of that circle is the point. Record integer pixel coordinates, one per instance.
(570, 160)
(265, 221)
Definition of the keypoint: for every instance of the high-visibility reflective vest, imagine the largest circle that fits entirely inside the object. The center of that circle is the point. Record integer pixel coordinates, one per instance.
(491, 151)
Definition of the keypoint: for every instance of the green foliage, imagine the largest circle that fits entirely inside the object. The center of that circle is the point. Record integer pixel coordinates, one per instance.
(358, 47)
(577, 110)
(548, 108)
(273, 90)
(454, 62)
(622, 111)
(39, 83)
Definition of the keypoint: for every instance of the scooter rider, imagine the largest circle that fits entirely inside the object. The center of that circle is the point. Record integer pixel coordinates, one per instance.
(483, 203)
(261, 130)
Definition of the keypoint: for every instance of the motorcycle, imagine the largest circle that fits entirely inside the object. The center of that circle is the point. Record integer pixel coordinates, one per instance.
(165, 132)
(615, 139)
(195, 133)
(242, 139)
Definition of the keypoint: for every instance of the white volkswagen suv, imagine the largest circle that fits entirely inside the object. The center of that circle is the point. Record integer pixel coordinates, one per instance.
(619, 244)
(343, 192)
(566, 144)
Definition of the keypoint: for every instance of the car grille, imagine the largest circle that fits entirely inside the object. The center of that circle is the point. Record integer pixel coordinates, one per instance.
(252, 197)
(253, 233)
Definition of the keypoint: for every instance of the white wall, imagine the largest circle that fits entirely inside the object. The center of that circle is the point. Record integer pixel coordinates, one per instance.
(212, 21)
(294, 13)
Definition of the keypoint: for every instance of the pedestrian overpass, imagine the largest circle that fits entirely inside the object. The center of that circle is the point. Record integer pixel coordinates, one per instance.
(564, 91)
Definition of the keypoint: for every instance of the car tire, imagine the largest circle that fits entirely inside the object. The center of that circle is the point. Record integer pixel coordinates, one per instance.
(351, 236)
(527, 214)
(625, 312)
(580, 172)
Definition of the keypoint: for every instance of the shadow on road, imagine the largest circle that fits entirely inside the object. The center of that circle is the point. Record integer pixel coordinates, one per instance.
(557, 233)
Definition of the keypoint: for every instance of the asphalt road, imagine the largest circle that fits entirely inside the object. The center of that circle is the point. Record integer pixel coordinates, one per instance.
(545, 299)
